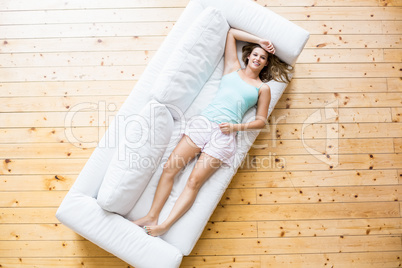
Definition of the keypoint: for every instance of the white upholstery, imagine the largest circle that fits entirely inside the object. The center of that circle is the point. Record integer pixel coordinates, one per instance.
(288, 38)
(143, 139)
(116, 234)
(192, 62)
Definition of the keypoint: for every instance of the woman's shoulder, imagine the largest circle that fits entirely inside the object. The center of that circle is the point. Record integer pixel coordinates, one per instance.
(264, 89)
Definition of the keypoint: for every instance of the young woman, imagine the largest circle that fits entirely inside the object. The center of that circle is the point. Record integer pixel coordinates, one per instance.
(239, 90)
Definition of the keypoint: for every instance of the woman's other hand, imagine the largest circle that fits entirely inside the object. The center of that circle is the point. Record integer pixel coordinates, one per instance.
(267, 45)
(227, 128)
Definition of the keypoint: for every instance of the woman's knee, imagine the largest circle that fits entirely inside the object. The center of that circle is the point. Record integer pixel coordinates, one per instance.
(194, 183)
(171, 168)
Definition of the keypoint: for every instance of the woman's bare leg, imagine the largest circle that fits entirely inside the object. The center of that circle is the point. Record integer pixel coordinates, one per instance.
(184, 152)
(204, 168)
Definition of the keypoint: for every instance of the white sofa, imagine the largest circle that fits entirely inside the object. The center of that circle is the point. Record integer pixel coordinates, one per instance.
(115, 188)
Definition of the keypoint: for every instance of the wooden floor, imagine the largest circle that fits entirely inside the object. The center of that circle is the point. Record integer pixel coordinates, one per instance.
(322, 187)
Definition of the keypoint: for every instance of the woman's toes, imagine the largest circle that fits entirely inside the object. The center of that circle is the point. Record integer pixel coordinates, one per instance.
(156, 230)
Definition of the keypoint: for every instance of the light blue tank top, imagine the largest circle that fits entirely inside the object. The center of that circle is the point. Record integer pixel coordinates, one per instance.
(234, 97)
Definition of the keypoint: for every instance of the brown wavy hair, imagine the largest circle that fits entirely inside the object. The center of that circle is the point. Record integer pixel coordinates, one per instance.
(276, 69)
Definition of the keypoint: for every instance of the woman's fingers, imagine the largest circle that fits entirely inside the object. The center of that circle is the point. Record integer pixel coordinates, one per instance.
(268, 46)
(225, 127)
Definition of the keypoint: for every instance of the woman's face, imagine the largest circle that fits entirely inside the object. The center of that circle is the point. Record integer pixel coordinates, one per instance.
(258, 58)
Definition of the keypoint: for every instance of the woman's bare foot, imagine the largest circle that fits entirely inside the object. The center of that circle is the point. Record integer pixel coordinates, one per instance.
(156, 230)
(147, 220)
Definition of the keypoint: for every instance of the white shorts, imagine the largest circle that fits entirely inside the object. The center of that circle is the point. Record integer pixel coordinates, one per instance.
(208, 136)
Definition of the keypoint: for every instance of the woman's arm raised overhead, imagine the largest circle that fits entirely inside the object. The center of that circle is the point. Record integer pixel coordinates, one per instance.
(248, 37)
(231, 60)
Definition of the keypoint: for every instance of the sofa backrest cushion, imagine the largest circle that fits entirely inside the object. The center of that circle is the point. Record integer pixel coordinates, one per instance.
(192, 62)
(142, 141)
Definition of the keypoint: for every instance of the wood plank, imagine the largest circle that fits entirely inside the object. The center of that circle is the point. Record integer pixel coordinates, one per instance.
(77, 88)
(85, 73)
(58, 119)
(348, 70)
(306, 211)
(134, 43)
(239, 196)
(335, 13)
(343, 41)
(396, 114)
(242, 212)
(61, 104)
(296, 245)
(240, 261)
(344, 27)
(318, 100)
(52, 45)
(76, 4)
(86, 135)
(346, 260)
(163, 28)
(321, 228)
(398, 145)
(392, 55)
(390, 2)
(394, 84)
(341, 115)
(45, 150)
(138, 57)
(361, 130)
(32, 199)
(334, 162)
(283, 116)
(320, 146)
(216, 246)
(173, 13)
(302, 195)
(380, 193)
(123, 88)
(89, 58)
(288, 100)
(24, 249)
(63, 182)
(90, 30)
(314, 178)
(400, 207)
(393, 27)
(44, 262)
(59, 182)
(65, 16)
(42, 166)
(332, 55)
(271, 162)
(49, 232)
(260, 147)
(28, 215)
(275, 132)
(89, 136)
(26, 232)
(230, 230)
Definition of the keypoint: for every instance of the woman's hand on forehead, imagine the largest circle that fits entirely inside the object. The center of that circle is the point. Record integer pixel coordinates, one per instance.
(267, 45)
